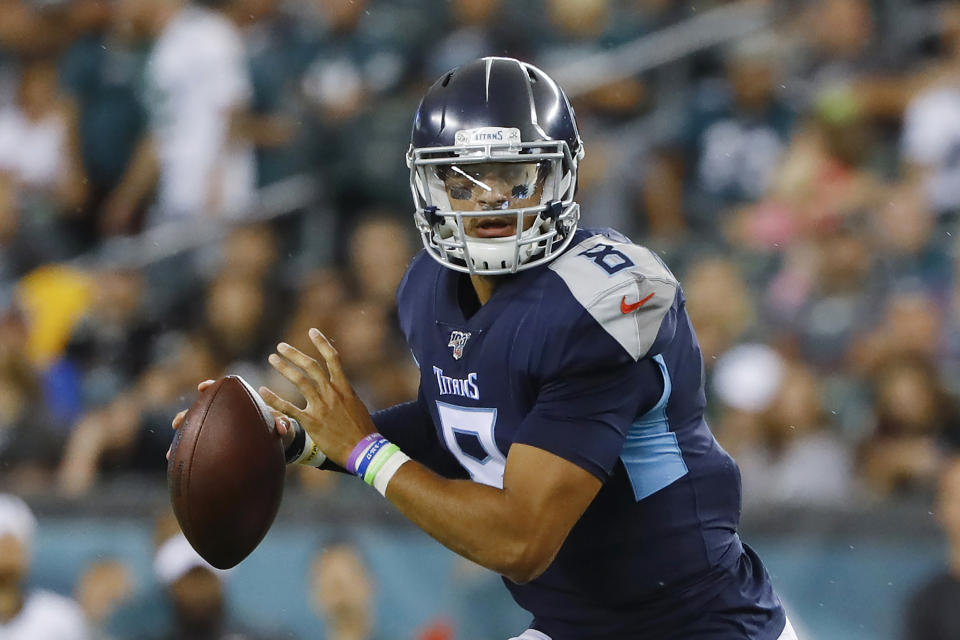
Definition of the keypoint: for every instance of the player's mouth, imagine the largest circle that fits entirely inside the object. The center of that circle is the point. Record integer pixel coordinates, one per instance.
(498, 227)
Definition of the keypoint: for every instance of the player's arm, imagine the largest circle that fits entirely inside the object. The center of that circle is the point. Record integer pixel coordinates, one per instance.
(516, 530)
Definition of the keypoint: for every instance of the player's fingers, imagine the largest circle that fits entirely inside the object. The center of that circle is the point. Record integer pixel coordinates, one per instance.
(178, 419)
(206, 384)
(296, 376)
(317, 371)
(330, 357)
(284, 428)
(280, 425)
(276, 402)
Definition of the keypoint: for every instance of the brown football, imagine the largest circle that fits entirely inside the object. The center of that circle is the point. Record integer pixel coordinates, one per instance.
(226, 472)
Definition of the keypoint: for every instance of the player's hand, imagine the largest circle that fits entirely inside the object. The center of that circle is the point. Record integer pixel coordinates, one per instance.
(281, 423)
(334, 417)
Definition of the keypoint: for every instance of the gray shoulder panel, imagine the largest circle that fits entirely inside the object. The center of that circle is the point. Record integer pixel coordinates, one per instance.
(625, 287)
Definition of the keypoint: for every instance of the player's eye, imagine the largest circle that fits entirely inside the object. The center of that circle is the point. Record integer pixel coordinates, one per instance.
(521, 191)
(461, 193)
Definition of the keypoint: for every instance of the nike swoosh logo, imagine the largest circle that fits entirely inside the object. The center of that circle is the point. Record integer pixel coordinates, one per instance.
(630, 308)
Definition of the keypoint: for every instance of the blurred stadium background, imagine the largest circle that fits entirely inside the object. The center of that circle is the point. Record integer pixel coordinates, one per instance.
(796, 162)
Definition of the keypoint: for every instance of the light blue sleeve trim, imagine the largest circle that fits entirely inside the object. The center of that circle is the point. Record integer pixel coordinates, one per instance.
(651, 453)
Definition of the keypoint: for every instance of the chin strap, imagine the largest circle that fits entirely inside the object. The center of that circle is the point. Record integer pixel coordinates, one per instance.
(433, 218)
(553, 212)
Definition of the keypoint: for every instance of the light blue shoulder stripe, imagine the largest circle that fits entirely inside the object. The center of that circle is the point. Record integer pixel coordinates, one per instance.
(651, 453)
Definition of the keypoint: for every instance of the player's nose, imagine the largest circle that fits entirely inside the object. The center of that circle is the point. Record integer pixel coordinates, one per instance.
(498, 197)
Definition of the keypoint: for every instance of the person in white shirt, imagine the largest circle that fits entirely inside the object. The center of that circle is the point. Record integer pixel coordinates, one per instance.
(931, 126)
(36, 614)
(197, 93)
(39, 141)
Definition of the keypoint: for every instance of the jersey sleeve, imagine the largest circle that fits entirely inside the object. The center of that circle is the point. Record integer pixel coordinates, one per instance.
(584, 415)
(618, 307)
(626, 289)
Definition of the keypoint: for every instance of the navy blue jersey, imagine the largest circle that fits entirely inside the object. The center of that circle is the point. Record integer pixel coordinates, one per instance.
(592, 358)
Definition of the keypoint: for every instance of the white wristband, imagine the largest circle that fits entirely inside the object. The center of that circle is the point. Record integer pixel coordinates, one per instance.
(311, 455)
(386, 473)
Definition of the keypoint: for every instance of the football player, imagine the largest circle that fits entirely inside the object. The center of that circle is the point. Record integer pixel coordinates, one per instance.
(558, 437)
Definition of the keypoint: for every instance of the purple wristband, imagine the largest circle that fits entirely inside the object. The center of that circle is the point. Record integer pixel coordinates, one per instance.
(357, 450)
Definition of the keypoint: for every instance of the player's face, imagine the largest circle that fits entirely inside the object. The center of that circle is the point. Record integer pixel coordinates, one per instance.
(491, 187)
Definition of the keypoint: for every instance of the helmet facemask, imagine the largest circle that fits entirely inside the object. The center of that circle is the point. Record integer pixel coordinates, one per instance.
(467, 195)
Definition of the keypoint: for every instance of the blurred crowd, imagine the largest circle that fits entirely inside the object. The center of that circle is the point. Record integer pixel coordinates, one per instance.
(184, 598)
(803, 181)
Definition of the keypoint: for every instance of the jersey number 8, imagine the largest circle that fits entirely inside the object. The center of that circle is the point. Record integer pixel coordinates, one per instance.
(468, 433)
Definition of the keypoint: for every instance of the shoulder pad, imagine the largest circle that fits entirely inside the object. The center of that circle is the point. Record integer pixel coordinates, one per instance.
(626, 288)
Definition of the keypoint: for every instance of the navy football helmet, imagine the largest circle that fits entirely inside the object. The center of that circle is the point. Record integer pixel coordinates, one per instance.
(500, 117)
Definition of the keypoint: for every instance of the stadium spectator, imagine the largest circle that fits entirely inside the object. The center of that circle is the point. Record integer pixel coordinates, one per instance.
(357, 61)
(818, 300)
(108, 431)
(39, 154)
(931, 128)
(356, 85)
(236, 321)
(838, 45)
(911, 326)
(744, 383)
(577, 29)
(931, 612)
(30, 443)
(251, 252)
(342, 593)
(796, 459)
(734, 136)
(378, 274)
(30, 614)
(104, 586)
(722, 310)
(318, 301)
(383, 372)
(113, 342)
(101, 71)
(915, 418)
(477, 27)
(821, 182)
(124, 434)
(277, 49)
(270, 122)
(38, 139)
(198, 91)
(909, 253)
(196, 593)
